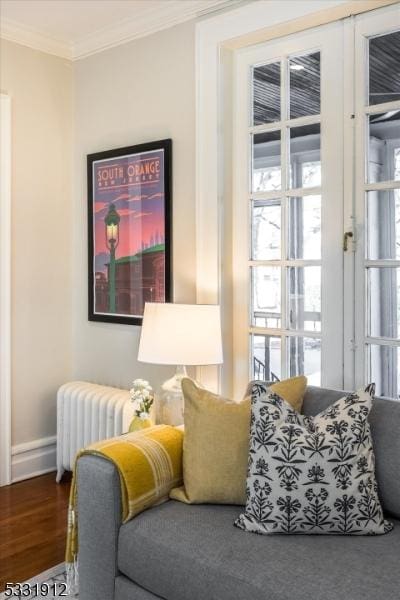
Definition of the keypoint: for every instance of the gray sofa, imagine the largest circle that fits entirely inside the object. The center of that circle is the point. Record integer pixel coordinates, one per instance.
(193, 552)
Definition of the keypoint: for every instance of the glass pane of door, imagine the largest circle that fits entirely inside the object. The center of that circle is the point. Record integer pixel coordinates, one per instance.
(383, 289)
(267, 296)
(267, 162)
(267, 93)
(305, 85)
(384, 61)
(384, 369)
(266, 230)
(305, 227)
(304, 288)
(305, 358)
(384, 146)
(305, 156)
(383, 220)
(266, 354)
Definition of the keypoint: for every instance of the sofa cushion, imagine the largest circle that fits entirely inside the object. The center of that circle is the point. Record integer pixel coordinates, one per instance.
(182, 552)
(384, 419)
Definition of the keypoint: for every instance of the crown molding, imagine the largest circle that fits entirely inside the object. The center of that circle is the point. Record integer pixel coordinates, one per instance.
(147, 21)
(15, 32)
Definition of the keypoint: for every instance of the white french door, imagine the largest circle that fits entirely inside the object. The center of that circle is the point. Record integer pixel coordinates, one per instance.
(316, 206)
(288, 209)
(377, 195)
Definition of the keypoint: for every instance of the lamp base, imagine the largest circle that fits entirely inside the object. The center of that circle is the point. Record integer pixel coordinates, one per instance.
(170, 410)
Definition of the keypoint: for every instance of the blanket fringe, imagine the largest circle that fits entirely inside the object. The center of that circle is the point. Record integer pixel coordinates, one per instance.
(72, 579)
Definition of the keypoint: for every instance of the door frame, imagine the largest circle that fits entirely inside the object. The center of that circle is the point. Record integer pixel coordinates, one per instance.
(5, 287)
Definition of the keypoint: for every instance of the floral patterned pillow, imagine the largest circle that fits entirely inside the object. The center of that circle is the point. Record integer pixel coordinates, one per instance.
(311, 474)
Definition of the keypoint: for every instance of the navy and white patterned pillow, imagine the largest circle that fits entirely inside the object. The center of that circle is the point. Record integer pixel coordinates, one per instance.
(312, 474)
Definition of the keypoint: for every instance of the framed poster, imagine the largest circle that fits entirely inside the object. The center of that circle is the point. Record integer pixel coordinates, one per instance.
(129, 220)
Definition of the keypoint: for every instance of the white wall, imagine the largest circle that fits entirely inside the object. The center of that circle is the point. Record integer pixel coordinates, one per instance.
(40, 86)
(137, 92)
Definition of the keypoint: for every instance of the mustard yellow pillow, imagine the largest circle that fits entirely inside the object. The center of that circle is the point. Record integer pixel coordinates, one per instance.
(216, 443)
(292, 390)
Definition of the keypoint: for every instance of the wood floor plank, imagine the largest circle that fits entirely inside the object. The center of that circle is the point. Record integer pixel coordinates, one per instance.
(33, 526)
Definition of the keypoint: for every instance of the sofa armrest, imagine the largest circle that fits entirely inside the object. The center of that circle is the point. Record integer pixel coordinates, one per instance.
(99, 520)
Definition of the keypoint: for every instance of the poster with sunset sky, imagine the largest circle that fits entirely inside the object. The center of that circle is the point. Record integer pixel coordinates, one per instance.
(129, 233)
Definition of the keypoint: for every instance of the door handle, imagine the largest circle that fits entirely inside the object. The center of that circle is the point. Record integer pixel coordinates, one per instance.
(346, 236)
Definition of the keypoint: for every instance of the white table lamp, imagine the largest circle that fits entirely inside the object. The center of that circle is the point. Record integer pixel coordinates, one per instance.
(181, 335)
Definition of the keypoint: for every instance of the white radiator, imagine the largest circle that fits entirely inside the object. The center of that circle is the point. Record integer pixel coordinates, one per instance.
(86, 413)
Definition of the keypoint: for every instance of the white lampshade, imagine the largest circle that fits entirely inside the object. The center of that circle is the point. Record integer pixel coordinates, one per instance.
(181, 334)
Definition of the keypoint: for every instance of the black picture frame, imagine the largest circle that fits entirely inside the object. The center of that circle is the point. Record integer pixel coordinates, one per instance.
(127, 159)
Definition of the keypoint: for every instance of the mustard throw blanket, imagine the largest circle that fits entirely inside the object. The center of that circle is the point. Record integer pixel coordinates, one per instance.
(149, 463)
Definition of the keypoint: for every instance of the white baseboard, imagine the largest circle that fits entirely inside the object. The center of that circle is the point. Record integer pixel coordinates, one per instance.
(33, 458)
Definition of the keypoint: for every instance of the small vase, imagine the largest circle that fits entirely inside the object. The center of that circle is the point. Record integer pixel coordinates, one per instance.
(137, 424)
(171, 399)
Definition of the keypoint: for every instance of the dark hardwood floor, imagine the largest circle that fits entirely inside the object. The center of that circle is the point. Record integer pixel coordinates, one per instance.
(33, 525)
